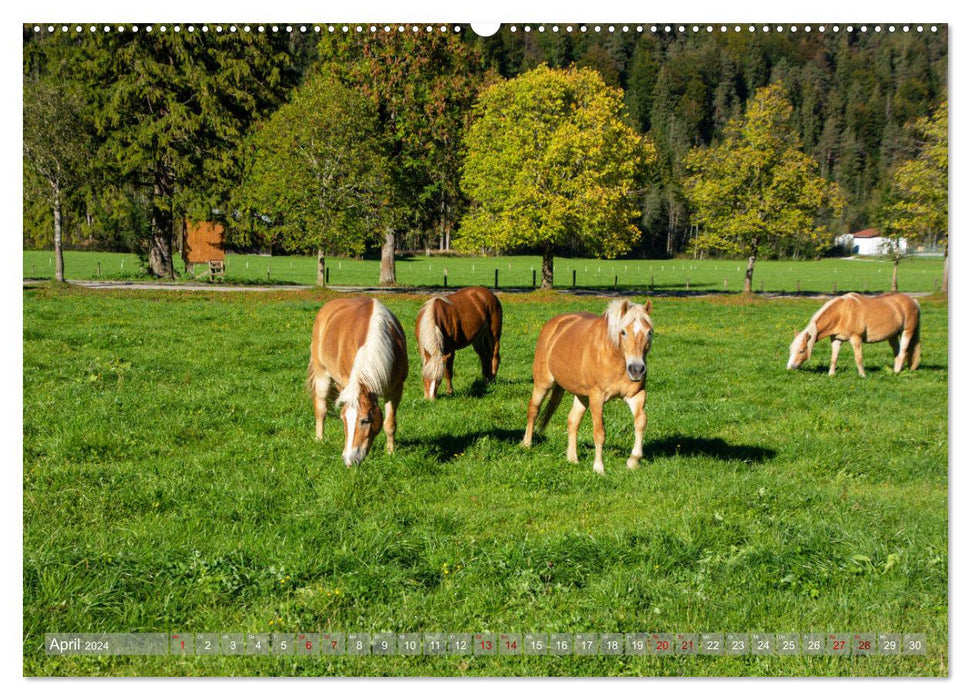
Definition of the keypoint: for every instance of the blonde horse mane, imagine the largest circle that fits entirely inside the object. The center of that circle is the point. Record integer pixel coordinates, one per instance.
(374, 361)
(431, 340)
(811, 330)
(621, 313)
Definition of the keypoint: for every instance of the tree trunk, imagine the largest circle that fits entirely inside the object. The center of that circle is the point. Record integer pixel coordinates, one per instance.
(750, 268)
(58, 249)
(893, 279)
(387, 259)
(944, 278)
(547, 266)
(320, 267)
(160, 245)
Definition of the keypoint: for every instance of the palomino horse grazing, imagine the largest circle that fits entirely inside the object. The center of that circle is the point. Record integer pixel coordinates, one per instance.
(595, 358)
(470, 316)
(359, 349)
(859, 319)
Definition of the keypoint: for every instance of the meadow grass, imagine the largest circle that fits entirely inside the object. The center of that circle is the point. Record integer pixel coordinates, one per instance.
(821, 276)
(171, 483)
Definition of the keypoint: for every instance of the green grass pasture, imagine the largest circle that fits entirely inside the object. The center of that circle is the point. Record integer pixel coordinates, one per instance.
(823, 276)
(171, 483)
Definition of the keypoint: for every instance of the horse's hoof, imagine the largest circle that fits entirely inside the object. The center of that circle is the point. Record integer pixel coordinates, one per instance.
(572, 459)
(598, 469)
(633, 463)
(527, 443)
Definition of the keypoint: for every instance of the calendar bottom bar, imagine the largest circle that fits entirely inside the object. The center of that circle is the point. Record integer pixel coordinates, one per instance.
(322, 644)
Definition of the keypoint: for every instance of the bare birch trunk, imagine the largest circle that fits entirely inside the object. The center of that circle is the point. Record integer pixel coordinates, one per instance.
(750, 268)
(387, 259)
(58, 249)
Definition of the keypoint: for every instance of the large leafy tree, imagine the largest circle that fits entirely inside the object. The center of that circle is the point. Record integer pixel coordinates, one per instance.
(918, 195)
(315, 172)
(552, 160)
(757, 186)
(171, 109)
(422, 86)
(57, 147)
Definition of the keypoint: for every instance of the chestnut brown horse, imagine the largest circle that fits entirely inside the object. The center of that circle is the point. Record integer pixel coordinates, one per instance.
(892, 317)
(595, 358)
(359, 350)
(445, 324)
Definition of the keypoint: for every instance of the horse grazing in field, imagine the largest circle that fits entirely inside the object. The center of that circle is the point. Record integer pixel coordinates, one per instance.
(595, 358)
(470, 316)
(859, 319)
(359, 350)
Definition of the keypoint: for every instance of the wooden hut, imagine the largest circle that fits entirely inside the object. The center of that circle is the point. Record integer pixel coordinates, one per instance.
(203, 245)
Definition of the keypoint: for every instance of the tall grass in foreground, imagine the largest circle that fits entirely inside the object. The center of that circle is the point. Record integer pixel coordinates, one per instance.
(171, 483)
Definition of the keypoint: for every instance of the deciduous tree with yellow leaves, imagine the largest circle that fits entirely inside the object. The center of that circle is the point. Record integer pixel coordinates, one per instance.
(551, 160)
(757, 185)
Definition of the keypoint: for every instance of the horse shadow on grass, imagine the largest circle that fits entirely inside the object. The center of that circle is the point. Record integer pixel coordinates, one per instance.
(687, 446)
(444, 448)
(872, 369)
(480, 387)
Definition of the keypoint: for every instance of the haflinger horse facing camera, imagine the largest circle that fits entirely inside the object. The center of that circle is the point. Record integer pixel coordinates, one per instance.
(446, 324)
(359, 350)
(892, 317)
(595, 358)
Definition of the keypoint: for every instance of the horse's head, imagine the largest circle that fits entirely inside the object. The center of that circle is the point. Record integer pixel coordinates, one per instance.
(362, 421)
(629, 327)
(801, 348)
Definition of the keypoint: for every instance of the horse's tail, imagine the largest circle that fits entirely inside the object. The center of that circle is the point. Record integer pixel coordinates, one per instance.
(311, 376)
(430, 342)
(914, 348)
(556, 394)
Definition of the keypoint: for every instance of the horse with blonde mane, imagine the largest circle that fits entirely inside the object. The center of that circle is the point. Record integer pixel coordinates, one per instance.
(892, 317)
(595, 358)
(446, 324)
(358, 352)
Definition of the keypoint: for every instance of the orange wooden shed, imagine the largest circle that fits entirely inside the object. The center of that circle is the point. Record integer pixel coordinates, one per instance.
(204, 242)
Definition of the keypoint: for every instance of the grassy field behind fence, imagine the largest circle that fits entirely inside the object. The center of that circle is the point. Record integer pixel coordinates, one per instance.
(824, 276)
(171, 483)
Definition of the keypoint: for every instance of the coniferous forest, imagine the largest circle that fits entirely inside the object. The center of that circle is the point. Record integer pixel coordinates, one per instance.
(169, 126)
